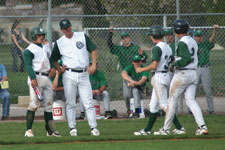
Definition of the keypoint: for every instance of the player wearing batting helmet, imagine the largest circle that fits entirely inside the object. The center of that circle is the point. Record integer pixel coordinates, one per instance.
(184, 79)
(203, 71)
(161, 57)
(39, 69)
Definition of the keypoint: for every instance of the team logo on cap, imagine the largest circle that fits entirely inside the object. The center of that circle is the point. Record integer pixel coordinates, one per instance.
(64, 22)
(41, 30)
(79, 45)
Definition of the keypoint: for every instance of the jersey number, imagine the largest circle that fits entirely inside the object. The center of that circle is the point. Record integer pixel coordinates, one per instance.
(168, 61)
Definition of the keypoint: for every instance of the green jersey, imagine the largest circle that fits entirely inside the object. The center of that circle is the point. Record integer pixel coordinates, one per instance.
(136, 76)
(203, 52)
(125, 54)
(97, 80)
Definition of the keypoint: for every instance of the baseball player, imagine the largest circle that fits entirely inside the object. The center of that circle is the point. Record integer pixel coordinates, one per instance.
(184, 79)
(99, 90)
(39, 69)
(203, 70)
(161, 57)
(74, 48)
(125, 53)
(133, 83)
(170, 39)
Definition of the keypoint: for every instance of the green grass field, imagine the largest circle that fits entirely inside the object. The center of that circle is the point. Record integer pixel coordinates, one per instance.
(115, 134)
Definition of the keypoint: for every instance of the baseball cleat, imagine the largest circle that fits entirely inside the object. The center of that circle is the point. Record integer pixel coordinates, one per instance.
(179, 131)
(108, 115)
(142, 132)
(73, 132)
(162, 132)
(29, 133)
(202, 131)
(95, 132)
(53, 133)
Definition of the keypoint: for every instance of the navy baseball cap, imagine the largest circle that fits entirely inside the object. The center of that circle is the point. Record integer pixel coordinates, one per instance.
(64, 23)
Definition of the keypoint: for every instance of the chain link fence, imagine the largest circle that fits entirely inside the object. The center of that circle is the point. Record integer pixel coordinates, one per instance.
(95, 17)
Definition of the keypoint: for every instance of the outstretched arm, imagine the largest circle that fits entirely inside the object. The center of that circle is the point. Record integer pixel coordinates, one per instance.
(25, 39)
(215, 27)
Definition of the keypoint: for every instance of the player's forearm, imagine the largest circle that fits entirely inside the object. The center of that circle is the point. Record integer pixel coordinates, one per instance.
(142, 81)
(102, 88)
(211, 39)
(152, 66)
(94, 55)
(125, 76)
(25, 39)
(59, 89)
(55, 82)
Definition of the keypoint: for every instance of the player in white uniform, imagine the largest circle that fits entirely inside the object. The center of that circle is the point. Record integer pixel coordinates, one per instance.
(39, 69)
(161, 57)
(74, 48)
(184, 79)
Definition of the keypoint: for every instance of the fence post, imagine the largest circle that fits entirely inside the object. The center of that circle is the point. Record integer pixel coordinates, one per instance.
(164, 24)
(49, 24)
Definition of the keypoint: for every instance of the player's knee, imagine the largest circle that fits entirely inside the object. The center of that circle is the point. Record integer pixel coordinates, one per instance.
(105, 93)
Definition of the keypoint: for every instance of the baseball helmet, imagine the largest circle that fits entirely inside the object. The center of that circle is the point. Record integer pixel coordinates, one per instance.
(156, 31)
(36, 31)
(181, 26)
(198, 33)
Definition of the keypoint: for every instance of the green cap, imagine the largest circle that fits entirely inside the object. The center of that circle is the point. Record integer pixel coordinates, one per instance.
(124, 34)
(136, 58)
(168, 32)
(198, 33)
(64, 23)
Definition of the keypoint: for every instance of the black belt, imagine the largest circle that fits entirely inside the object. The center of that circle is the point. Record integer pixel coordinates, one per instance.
(74, 70)
(207, 65)
(186, 69)
(41, 73)
(160, 72)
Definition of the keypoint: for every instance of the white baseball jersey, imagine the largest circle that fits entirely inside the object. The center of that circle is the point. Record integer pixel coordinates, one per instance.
(40, 63)
(165, 57)
(74, 51)
(193, 49)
